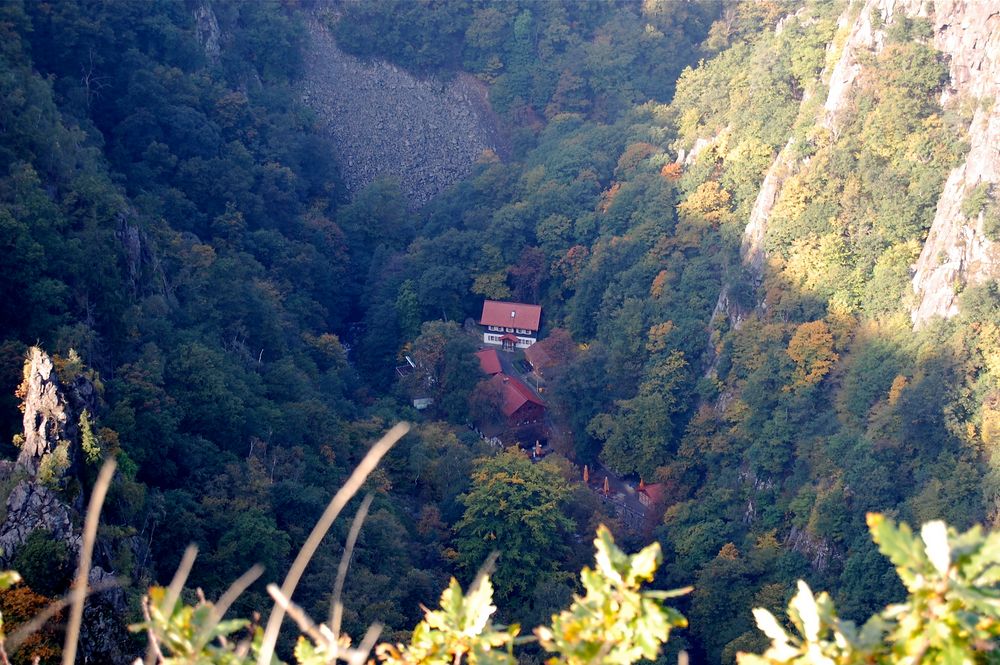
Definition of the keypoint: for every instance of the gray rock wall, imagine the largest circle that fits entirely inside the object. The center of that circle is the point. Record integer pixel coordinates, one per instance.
(957, 253)
(384, 122)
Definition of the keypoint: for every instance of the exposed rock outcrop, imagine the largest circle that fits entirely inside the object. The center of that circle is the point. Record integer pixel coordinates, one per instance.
(863, 37)
(47, 416)
(50, 430)
(50, 443)
(752, 247)
(384, 122)
(957, 252)
(207, 32)
(819, 551)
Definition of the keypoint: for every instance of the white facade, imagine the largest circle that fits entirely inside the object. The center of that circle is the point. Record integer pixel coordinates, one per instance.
(523, 342)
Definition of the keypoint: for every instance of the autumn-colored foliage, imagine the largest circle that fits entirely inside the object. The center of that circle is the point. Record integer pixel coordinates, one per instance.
(608, 197)
(19, 605)
(634, 155)
(709, 202)
(811, 348)
(672, 171)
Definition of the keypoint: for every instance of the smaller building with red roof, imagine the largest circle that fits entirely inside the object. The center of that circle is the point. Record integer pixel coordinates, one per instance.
(510, 325)
(650, 495)
(489, 361)
(520, 405)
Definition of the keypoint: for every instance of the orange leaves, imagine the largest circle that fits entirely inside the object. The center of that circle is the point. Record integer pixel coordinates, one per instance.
(659, 283)
(608, 197)
(19, 605)
(672, 171)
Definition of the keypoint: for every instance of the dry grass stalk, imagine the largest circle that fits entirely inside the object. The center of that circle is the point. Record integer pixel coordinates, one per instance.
(340, 499)
(24, 631)
(173, 593)
(79, 592)
(336, 607)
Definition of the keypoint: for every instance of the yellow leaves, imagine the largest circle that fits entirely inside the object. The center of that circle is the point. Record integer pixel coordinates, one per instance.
(990, 421)
(896, 389)
(811, 349)
(793, 200)
(657, 336)
(709, 202)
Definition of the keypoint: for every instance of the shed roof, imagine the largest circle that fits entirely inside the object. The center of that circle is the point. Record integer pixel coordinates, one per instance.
(655, 492)
(511, 314)
(489, 361)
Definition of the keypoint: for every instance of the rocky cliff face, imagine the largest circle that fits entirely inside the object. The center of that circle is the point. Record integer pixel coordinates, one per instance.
(957, 252)
(51, 416)
(384, 122)
(862, 37)
(48, 449)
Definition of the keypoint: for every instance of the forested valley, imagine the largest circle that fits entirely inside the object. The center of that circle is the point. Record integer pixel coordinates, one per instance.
(763, 235)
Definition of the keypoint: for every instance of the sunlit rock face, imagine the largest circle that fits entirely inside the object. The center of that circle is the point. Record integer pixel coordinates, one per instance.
(957, 252)
(48, 421)
(384, 122)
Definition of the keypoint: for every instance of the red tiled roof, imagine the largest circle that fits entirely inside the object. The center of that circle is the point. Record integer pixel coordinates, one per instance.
(508, 337)
(515, 394)
(489, 361)
(498, 313)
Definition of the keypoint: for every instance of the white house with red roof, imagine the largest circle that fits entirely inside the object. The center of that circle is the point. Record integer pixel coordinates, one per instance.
(510, 325)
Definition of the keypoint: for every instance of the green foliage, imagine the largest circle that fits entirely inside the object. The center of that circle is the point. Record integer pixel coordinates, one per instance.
(614, 622)
(950, 615)
(44, 562)
(460, 631)
(178, 220)
(193, 634)
(982, 200)
(516, 507)
(53, 466)
(90, 444)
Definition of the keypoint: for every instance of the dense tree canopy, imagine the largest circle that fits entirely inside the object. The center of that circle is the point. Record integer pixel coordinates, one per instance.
(173, 225)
